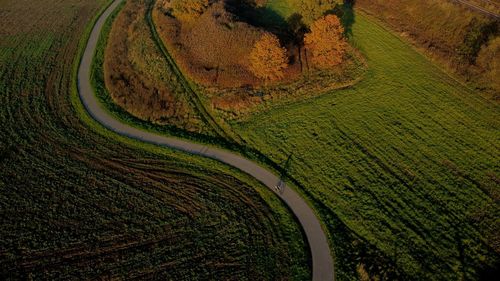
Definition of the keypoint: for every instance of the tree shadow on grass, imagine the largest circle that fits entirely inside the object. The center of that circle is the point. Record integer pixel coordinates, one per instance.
(345, 12)
(259, 16)
(292, 29)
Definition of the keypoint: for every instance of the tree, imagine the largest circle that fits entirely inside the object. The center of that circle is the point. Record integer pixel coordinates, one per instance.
(326, 42)
(296, 29)
(187, 10)
(313, 9)
(267, 58)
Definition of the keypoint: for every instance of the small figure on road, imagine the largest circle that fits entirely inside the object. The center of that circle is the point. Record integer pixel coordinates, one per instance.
(280, 187)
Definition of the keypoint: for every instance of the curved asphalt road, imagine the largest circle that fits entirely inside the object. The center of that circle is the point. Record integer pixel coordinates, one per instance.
(322, 262)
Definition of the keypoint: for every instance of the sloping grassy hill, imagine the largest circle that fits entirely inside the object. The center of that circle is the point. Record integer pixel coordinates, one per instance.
(460, 38)
(77, 202)
(408, 159)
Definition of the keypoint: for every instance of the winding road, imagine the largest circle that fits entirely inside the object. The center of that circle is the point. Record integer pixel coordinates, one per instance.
(322, 262)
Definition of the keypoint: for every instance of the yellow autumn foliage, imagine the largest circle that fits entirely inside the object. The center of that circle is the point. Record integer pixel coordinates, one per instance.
(187, 10)
(326, 42)
(268, 58)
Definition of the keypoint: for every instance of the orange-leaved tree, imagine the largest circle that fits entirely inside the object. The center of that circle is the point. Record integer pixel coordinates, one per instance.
(187, 10)
(268, 58)
(326, 42)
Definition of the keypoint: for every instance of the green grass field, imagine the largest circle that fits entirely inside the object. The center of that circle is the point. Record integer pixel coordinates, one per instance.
(406, 159)
(78, 202)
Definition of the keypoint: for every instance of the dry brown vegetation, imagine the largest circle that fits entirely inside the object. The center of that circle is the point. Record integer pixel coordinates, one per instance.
(452, 34)
(488, 61)
(137, 75)
(212, 50)
(488, 5)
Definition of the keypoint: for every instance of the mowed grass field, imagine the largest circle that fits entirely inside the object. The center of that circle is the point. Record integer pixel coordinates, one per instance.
(78, 202)
(408, 159)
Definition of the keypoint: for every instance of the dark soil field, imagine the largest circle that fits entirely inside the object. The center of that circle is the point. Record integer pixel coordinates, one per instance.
(77, 202)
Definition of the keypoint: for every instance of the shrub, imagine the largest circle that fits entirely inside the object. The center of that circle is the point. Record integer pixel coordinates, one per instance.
(489, 60)
(478, 33)
(187, 10)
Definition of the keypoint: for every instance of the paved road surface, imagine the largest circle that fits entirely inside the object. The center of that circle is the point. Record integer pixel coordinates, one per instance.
(321, 257)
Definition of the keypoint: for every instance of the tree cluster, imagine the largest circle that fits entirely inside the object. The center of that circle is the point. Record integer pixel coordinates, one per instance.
(323, 39)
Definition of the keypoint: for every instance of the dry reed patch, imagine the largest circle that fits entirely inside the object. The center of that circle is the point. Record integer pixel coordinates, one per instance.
(137, 75)
(213, 49)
